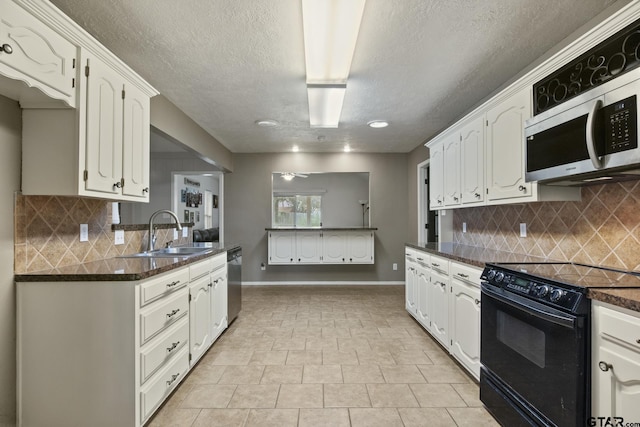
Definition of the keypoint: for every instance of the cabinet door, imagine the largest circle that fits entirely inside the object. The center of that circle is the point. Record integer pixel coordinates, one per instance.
(422, 283)
(282, 247)
(436, 177)
(360, 247)
(219, 315)
(199, 317)
(505, 147)
(472, 163)
(465, 325)
(451, 172)
(104, 128)
(135, 144)
(410, 286)
(308, 247)
(334, 247)
(439, 308)
(40, 57)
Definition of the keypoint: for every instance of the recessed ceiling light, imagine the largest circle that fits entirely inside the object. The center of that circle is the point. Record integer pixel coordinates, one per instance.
(268, 123)
(377, 124)
(295, 149)
(347, 149)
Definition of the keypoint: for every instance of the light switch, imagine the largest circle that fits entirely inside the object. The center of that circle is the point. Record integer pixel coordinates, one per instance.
(464, 227)
(523, 229)
(84, 232)
(185, 231)
(119, 237)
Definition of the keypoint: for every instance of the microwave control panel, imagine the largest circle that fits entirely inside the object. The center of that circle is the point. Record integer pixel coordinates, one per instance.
(620, 125)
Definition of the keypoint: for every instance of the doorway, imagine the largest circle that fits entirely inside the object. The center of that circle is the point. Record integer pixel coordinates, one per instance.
(427, 219)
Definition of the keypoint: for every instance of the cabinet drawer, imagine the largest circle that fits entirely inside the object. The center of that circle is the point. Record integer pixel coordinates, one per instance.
(440, 264)
(153, 289)
(199, 269)
(162, 348)
(161, 384)
(162, 314)
(466, 273)
(218, 261)
(620, 328)
(423, 258)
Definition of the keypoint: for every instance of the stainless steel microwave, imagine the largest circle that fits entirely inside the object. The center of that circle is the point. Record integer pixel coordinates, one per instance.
(592, 138)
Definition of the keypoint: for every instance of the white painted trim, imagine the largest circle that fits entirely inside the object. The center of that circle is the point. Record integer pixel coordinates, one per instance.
(421, 196)
(326, 283)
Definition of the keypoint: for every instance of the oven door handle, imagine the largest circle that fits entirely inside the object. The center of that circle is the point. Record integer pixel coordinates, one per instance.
(566, 321)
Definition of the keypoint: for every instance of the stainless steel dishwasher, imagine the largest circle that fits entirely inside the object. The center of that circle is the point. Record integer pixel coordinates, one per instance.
(234, 293)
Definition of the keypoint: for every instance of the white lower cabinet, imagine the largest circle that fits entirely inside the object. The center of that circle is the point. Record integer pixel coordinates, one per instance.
(615, 360)
(321, 247)
(447, 303)
(109, 353)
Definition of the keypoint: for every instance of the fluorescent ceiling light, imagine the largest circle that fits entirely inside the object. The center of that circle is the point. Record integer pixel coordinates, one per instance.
(330, 34)
(325, 105)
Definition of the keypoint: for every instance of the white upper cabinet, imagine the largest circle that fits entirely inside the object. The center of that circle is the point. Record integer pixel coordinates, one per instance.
(37, 63)
(101, 148)
(505, 144)
(472, 188)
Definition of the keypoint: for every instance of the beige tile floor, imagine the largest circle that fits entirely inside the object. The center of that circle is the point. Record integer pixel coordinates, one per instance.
(325, 356)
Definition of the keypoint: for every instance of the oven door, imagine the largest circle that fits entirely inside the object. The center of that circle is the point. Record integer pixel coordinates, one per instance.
(540, 353)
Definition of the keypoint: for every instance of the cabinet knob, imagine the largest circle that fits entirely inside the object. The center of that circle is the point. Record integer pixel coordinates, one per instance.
(477, 301)
(455, 199)
(604, 366)
(6, 48)
(477, 195)
(145, 190)
(522, 188)
(118, 184)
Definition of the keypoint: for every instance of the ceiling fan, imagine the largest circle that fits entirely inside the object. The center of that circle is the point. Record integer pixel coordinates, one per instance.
(288, 176)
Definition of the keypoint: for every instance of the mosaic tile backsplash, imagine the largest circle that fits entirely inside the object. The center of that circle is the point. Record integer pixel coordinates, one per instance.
(602, 229)
(47, 230)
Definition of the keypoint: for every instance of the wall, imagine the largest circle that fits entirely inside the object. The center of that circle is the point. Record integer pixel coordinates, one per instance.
(175, 124)
(248, 212)
(47, 233)
(415, 157)
(10, 160)
(601, 229)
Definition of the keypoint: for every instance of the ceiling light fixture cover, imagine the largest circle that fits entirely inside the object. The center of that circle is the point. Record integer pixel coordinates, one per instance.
(347, 149)
(267, 123)
(378, 124)
(287, 176)
(330, 33)
(295, 149)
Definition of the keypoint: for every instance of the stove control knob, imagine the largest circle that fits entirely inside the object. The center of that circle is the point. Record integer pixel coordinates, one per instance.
(542, 291)
(499, 277)
(557, 295)
(492, 274)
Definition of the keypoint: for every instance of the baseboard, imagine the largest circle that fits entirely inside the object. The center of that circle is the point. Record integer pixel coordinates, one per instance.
(325, 283)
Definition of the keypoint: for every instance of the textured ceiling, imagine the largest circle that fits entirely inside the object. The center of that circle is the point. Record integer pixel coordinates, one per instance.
(419, 64)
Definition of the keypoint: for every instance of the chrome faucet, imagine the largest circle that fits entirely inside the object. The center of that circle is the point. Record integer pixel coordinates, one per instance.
(152, 232)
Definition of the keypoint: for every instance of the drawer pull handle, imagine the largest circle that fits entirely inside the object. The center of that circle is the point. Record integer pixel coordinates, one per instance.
(172, 284)
(420, 259)
(435, 265)
(174, 377)
(173, 346)
(604, 366)
(173, 313)
(464, 276)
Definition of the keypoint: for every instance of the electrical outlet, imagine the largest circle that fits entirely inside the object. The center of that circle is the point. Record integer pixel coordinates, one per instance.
(84, 232)
(263, 267)
(464, 227)
(185, 231)
(523, 229)
(119, 237)
(175, 234)
(395, 266)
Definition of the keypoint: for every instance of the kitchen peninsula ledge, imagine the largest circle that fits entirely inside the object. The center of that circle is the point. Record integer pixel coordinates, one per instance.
(477, 256)
(118, 269)
(354, 228)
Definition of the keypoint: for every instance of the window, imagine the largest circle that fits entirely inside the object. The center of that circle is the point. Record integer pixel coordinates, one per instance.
(297, 210)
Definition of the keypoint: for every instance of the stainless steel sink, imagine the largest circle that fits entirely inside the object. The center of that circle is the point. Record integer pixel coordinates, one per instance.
(183, 251)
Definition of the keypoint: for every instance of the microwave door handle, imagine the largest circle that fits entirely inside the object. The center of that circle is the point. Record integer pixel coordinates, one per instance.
(591, 143)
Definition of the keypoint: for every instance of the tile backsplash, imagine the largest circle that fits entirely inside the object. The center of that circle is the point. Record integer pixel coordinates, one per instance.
(47, 230)
(602, 229)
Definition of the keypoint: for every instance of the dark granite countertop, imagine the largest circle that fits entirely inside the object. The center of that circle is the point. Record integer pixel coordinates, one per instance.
(120, 269)
(478, 256)
(353, 228)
